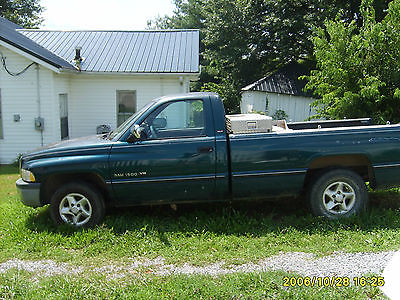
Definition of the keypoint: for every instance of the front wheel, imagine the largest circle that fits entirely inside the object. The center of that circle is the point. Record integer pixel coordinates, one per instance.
(337, 194)
(77, 204)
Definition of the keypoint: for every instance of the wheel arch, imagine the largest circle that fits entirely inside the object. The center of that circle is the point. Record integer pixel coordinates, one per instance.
(358, 163)
(53, 182)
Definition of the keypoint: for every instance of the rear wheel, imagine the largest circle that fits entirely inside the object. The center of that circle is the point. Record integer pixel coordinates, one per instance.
(337, 194)
(77, 204)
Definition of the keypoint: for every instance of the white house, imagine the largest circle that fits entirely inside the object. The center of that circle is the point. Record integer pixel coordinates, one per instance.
(279, 93)
(64, 84)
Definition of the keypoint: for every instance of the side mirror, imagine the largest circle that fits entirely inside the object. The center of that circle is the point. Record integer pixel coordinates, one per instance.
(137, 134)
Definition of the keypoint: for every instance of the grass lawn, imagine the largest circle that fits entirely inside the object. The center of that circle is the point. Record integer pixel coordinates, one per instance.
(198, 234)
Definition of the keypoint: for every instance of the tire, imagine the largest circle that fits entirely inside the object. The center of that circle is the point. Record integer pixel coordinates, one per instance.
(338, 194)
(77, 204)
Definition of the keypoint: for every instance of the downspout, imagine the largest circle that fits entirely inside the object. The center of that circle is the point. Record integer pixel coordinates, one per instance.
(38, 99)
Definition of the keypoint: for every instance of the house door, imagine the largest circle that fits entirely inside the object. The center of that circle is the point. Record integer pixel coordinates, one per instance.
(64, 116)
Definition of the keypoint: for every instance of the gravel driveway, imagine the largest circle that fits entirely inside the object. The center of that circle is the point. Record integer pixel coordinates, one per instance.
(337, 264)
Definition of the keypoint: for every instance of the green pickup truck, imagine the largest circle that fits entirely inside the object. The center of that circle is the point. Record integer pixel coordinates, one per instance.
(177, 149)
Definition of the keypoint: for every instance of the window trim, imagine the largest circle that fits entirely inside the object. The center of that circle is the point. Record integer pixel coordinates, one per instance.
(178, 138)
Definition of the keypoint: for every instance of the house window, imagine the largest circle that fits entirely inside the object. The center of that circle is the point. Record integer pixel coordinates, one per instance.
(63, 100)
(126, 105)
(1, 120)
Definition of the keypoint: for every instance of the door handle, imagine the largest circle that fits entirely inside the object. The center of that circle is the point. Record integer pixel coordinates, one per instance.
(205, 149)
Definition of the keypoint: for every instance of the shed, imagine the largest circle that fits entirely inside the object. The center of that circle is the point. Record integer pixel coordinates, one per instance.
(58, 85)
(279, 94)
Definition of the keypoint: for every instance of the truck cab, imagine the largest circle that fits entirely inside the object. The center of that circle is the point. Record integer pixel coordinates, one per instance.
(170, 153)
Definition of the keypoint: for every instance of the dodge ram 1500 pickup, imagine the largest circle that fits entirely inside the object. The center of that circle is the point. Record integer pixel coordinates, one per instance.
(177, 149)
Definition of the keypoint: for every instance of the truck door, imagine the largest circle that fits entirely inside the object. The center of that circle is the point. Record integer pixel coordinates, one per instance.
(175, 161)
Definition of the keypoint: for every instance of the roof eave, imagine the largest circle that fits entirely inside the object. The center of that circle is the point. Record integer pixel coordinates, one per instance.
(32, 56)
(190, 74)
(277, 93)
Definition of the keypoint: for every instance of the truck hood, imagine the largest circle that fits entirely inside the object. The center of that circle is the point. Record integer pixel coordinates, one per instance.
(77, 146)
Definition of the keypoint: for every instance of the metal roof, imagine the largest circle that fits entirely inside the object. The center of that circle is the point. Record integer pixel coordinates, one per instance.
(276, 83)
(284, 81)
(9, 34)
(164, 51)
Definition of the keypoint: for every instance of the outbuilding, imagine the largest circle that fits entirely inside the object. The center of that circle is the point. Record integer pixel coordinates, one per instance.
(57, 85)
(279, 95)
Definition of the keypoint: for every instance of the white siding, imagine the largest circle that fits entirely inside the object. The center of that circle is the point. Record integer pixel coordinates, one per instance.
(92, 101)
(19, 95)
(297, 108)
(253, 101)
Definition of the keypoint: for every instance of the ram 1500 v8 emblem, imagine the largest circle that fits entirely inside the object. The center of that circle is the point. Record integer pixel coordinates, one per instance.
(132, 174)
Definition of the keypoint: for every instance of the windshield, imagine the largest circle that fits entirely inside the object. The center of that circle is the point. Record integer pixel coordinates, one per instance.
(124, 126)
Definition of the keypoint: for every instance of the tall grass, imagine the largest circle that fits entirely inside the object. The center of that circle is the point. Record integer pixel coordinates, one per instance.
(205, 233)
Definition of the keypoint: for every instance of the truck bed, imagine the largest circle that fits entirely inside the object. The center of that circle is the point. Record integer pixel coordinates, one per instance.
(264, 162)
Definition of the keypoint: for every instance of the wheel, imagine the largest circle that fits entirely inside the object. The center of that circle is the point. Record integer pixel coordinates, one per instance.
(337, 194)
(77, 204)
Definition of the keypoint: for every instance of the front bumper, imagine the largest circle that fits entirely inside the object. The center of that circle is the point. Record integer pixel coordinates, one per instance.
(30, 193)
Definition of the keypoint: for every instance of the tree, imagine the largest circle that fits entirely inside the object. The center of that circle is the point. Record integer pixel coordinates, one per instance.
(358, 69)
(289, 24)
(187, 15)
(22, 12)
(231, 48)
(243, 40)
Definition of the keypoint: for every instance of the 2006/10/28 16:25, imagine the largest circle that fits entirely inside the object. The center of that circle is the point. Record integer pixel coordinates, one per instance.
(335, 281)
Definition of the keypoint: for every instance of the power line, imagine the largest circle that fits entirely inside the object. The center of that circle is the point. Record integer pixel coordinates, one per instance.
(3, 61)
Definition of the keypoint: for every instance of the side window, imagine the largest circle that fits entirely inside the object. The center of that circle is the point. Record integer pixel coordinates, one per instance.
(126, 105)
(175, 120)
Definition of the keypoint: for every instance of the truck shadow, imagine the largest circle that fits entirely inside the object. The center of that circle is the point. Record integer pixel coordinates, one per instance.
(242, 218)
(8, 169)
(251, 218)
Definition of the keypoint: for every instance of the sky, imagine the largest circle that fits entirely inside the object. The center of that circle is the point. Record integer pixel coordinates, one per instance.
(102, 14)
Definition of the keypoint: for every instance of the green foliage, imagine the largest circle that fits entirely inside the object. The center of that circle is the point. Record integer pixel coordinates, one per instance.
(188, 14)
(228, 93)
(280, 115)
(22, 12)
(243, 40)
(358, 68)
(288, 24)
